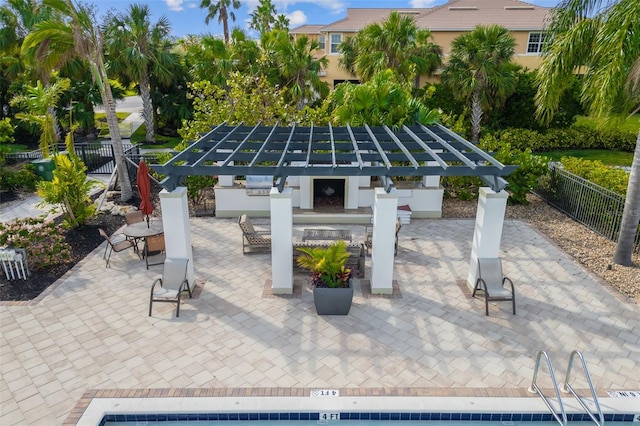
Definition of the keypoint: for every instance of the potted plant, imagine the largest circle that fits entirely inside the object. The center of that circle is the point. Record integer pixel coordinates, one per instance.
(330, 279)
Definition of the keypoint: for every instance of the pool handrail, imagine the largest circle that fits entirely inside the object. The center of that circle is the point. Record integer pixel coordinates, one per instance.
(535, 389)
(569, 389)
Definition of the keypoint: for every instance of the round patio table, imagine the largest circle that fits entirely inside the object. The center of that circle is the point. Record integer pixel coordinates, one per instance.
(141, 230)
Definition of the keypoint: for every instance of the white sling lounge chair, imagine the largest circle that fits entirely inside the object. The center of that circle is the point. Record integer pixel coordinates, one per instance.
(169, 288)
(491, 281)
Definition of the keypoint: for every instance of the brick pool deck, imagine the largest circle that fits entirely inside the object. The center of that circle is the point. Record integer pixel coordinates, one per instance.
(89, 335)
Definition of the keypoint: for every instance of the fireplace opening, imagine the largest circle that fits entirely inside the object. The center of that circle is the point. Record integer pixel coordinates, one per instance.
(328, 193)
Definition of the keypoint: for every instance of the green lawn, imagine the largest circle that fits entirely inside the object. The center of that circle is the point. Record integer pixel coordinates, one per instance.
(613, 158)
(17, 147)
(161, 141)
(625, 122)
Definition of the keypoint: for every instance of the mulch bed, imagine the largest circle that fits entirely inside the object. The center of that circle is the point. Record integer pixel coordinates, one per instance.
(83, 240)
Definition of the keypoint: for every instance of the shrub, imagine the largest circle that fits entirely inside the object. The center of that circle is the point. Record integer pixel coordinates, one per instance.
(25, 178)
(44, 244)
(69, 189)
(612, 178)
(576, 137)
(461, 187)
(196, 186)
(525, 177)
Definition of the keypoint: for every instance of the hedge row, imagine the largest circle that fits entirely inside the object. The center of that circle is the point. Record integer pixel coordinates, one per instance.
(576, 137)
(611, 178)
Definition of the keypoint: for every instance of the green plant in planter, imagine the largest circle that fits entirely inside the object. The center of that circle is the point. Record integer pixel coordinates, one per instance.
(327, 265)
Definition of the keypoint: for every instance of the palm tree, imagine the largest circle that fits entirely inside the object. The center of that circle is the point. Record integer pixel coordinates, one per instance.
(39, 101)
(395, 44)
(297, 67)
(207, 58)
(384, 100)
(263, 17)
(137, 49)
(480, 70)
(221, 9)
(77, 35)
(17, 18)
(603, 39)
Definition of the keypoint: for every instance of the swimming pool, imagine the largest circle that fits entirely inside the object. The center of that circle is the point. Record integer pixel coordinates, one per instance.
(396, 411)
(360, 419)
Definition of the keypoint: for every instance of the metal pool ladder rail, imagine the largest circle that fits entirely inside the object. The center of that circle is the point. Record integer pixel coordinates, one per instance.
(568, 388)
(535, 389)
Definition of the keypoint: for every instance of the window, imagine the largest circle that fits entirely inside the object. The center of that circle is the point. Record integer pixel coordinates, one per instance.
(321, 42)
(536, 40)
(336, 39)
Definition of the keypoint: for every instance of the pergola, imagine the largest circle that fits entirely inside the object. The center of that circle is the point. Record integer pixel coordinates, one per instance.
(333, 151)
(297, 150)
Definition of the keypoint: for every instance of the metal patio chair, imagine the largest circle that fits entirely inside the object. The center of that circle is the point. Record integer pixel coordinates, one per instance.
(174, 281)
(116, 246)
(492, 281)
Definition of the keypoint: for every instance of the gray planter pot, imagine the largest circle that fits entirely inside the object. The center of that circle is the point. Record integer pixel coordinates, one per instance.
(333, 301)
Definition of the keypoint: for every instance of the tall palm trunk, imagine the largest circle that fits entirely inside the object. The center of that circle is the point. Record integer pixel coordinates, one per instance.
(476, 115)
(631, 213)
(147, 107)
(126, 192)
(225, 23)
(153, 88)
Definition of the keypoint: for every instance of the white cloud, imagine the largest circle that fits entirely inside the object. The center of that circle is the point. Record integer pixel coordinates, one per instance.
(335, 6)
(175, 5)
(423, 3)
(296, 18)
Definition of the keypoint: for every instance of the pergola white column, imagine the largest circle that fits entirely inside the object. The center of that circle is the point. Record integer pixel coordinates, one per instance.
(488, 231)
(177, 229)
(383, 239)
(281, 238)
(434, 180)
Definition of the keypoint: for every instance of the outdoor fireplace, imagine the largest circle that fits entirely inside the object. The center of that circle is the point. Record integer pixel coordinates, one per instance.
(328, 193)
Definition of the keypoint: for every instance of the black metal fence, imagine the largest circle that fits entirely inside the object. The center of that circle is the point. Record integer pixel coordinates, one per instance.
(97, 156)
(592, 205)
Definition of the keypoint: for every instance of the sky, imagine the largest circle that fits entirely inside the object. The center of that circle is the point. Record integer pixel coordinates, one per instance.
(187, 17)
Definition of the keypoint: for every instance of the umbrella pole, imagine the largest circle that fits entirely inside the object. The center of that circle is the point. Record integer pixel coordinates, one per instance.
(147, 221)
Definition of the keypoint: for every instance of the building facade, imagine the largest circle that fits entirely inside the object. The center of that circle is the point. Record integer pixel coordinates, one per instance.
(525, 21)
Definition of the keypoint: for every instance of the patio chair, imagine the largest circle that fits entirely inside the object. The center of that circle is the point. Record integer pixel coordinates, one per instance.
(134, 217)
(174, 281)
(112, 246)
(154, 250)
(252, 239)
(491, 281)
(368, 236)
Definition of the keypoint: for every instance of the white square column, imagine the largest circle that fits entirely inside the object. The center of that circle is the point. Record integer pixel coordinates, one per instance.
(177, 228)
(383, 240)
(281, 241)
(306, 193)
(488, 230)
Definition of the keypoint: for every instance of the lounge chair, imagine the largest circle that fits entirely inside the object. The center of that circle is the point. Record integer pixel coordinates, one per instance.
(112, 246)
(368, 236)
(252, 239)
(174, 281)
(491, 281)
(154, 250)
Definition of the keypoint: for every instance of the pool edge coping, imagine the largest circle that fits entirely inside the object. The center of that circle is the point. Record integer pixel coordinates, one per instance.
(95, 403)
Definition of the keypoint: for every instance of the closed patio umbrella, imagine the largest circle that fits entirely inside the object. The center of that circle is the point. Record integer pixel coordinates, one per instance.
(144, 189)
